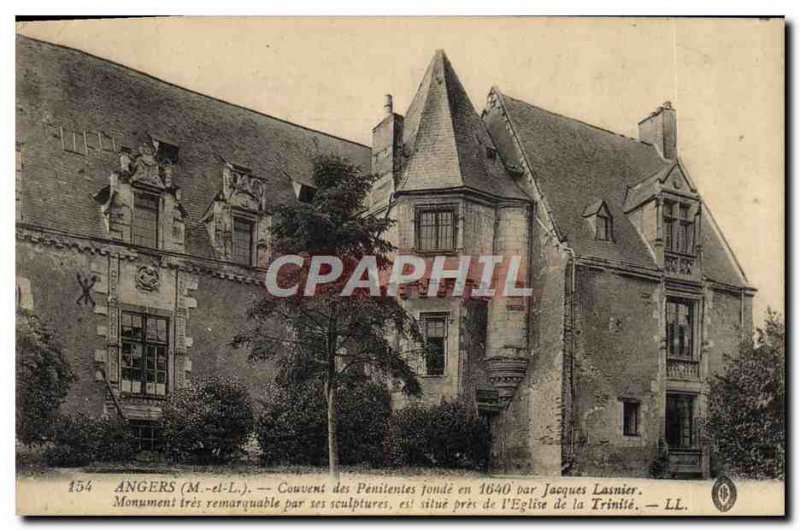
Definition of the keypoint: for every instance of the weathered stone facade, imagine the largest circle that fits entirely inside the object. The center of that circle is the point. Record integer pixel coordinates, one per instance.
(635, 298)
(91, 136)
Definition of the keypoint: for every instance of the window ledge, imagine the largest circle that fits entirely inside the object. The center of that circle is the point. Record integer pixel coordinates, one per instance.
(135, 396)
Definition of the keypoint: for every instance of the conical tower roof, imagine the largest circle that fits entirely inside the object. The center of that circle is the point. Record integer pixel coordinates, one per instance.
(446, 140)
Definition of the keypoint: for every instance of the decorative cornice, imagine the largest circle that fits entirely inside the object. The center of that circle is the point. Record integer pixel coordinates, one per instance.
(171, 260)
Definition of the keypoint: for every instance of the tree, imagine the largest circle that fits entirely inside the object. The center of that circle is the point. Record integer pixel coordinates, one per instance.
(293, 429)
(333, 334)
(747, 405)
(43, 377)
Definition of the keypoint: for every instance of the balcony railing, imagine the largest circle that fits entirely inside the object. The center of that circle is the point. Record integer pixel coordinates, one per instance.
(679, 264)
(681, 369)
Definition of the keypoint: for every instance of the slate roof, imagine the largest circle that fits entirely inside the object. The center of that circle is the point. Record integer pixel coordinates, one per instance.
(577, 165)
(446, 141)
(75, 90)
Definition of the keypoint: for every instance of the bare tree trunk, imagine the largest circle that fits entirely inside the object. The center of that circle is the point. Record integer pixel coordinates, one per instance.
(333, 443)
(330, 395)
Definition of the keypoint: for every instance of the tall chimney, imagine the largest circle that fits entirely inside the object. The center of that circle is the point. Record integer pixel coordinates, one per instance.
(387, 143)
(661, 130)
(388, 106)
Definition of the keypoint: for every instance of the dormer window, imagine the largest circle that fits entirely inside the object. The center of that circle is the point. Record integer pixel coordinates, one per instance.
(242, 252)
(305, 193)
(678, 227)
(237, 219)
(145, 219)
(165, 152)
(603, 227)
(599, 217)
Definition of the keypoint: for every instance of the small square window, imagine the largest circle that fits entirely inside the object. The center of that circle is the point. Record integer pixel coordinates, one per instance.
(148, 435)
(306, 193)
(630, 417)
(166, 152)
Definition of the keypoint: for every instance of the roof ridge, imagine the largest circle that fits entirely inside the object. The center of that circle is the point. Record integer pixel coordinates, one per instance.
(439, 54)
(593, 126)
(669, 164)
(171, 84)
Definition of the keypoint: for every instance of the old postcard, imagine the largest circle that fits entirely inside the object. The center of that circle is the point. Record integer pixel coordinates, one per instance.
(400, 266)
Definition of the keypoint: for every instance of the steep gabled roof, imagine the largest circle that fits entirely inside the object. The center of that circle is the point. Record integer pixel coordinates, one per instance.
(446, 141)
(679, 182)
(575, 163)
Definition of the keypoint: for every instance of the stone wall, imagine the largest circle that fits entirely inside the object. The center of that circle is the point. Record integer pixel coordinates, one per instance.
(54, 272)
(51, 276)
(618, 357)
(722, 322)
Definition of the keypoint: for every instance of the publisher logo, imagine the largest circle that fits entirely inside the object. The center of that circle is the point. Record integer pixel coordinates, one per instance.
(723, 493)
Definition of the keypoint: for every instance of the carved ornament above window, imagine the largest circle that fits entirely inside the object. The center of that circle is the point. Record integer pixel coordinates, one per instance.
(242, 197)
(142, 171)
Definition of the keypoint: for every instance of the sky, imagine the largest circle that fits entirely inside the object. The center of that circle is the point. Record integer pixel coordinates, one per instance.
(724, 77)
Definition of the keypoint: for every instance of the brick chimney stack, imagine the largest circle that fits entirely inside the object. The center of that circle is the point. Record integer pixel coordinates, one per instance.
(387, 143)
(661, 130)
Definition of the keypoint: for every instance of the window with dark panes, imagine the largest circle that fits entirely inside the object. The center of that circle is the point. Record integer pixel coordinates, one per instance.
(680, 421)
(680, 328)
(242, 240)
(145, 341)
(630, 417)
(436, 229)
(685, 230)
(148, 435)
(145, 219)
(435, 330)
(603, 228)
(167, 153)
(678, 228)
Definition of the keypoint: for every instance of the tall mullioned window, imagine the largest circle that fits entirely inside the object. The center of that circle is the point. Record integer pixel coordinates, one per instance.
(680, 328)
(145, 219)
(242, 240)
(678, 228)
(436, 229)
(145, 341)
(680, 421)
(434, 328)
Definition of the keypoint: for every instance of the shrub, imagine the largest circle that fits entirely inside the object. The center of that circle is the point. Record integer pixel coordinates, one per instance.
(448, 435)
(746, 406)
(43, 377)
(79, 440)
(659, 468)
(292, 428)
(208, 421)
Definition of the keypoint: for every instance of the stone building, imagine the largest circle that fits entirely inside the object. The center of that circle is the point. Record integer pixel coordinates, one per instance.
(143, 214)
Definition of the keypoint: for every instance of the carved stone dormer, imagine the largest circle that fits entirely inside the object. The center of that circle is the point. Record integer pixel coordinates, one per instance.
(237, 220)
(667, 211)
(141, 178)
